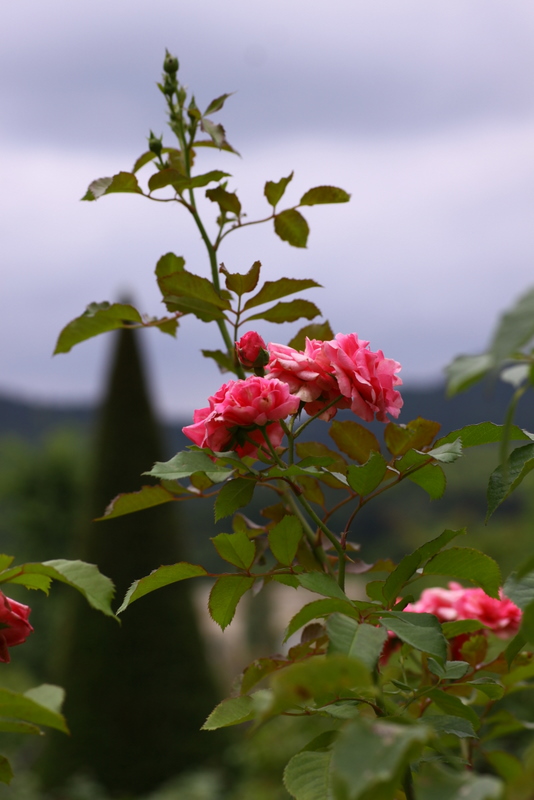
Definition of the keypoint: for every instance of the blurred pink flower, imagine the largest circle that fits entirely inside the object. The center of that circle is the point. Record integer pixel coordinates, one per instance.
(14, 616)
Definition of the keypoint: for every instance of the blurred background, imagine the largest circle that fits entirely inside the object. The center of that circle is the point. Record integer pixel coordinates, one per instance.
(425, 114)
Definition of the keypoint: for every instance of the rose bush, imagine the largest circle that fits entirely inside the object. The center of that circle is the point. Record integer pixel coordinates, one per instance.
(15, 626)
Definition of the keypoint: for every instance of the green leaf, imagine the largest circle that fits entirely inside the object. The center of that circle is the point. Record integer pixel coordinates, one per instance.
(515, 329)
(430, 478)
(506, 478)
(318, 608)
(273, 290)
(6, 561)
(291, 227)
(186, 284)
(450, 671)
(28, 709)
(318, 450)
(6, 773)
(450, 704)
(482, 433)
(465, 371)
(242, 283)
(527, 623)
(162, 576)
(226, 593)
(456, 628)
(321, 583)
(415, 434)
(316, 330)
(97, 589)
(519, 590)
(258, 670)
(324, 194)
(354, 440)
(370, 757)
(16, 726)
(365, 479)
(307, 776)
(400, 575)
(233, 495)
(434, 782)
(146, 497)
(446, 453)
(284, 539)
(227, 201)
(446, 723)
(166, 177)
(319, 679)
(143, 159)
(122, 182)
(217, 104)
(187, 462)
(236, 548)
(355, 639)
(222, 359)
(432, 547)
(275, 191)
(465, 563)
(421, 631)
(97, 318)
(288, 312)
(168, 264)
(217, 134)
(230, 712)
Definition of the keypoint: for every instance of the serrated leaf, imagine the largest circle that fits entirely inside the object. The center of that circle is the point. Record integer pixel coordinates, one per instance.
(204, 311)
(97, 318)
(275, 191)
(321, 331)
(433, 782)
(482, 433)
(507, 477)
(318, 450)
(416, 434)
(233, 495)
(421, 631)
(366, 478)
(284, 539)
(320, 195)
(454, 706)
(370, 757)
(227, 201)
(321, 583)
(446, 453)
(352, 638)
(242, 283)
(6, 561)
(430, 478)
(186, 284)
(465, 563)
(446, 723)
(168, 264)
(143, 159)
(291, 227)
(187, 462)
(122, 182)
(162, 576)
(287, 312)
(515, 328)
(434, 546)
(307, 776)
(24, 707)
(354, 440)
(226, 593)
(222, 359)
(218, 103)
(273, 290)
(519, 590)
(217, 134)
(258, 670)
(316, 609)
(128, 503)
(236, 548)
(165, 177)
(230, 712)
(450, 671)
(459, 626)
(397, 579)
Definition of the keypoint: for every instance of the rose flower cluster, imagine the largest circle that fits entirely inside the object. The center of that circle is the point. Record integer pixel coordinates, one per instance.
(15, 626)
(326, 376)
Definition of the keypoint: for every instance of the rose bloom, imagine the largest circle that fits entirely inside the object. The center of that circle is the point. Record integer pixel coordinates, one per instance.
(342, 368)
(237, 412)
(250, 350)
(14, 616)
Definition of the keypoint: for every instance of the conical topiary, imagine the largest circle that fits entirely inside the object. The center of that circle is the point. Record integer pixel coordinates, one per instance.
(137, 693)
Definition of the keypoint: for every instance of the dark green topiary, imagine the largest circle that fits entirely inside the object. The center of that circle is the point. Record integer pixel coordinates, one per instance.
(138, 693)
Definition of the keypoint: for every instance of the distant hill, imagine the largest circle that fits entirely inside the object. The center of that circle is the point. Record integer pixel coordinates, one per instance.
(32, 421)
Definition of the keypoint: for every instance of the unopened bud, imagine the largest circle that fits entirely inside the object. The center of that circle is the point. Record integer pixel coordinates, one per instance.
(170, 64)
(252, 352)
(155, 145)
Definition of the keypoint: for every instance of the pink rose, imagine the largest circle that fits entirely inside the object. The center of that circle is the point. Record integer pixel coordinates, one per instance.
(443, 603)
(14, 616)
(342, 368)
(251, 351)
(501, 616)
(237, 413)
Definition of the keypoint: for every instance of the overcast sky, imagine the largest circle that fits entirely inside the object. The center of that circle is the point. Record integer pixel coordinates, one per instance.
(423, 111)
